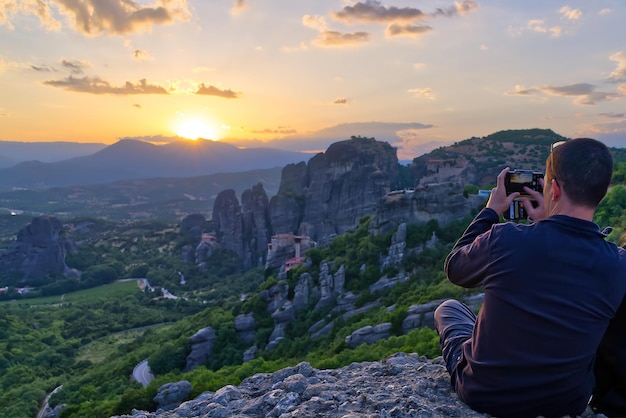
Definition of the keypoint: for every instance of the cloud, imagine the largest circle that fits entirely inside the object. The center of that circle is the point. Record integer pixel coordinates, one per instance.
(39, 8)
(334, 39)
(398, 134)
(619, 74)
(92, 17)
(238, 7)
(140, 55)
(340, 101)
(614, 115)
(583, 93)
(95, 85)
(42, 68)
(75, 67)
(380, 130)
(373, 11)
(521, 91)
(400, 21)
(605, 11)
(460, 8)
(214, 91)
(329, 38)
(571, 14)
(396, 29)
(281, 130)
(156, 139)
(315, 22)
(538, 25)
(425, 92)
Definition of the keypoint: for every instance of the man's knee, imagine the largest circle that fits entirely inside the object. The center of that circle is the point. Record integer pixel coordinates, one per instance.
(448, 310)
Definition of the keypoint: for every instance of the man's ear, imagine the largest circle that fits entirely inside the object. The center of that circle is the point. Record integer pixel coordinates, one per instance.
(556, 190)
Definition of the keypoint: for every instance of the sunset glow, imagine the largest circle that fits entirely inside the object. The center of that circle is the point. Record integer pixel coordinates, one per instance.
(196, 128)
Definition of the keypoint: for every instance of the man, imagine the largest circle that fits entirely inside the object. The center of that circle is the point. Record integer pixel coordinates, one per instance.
(551, 288)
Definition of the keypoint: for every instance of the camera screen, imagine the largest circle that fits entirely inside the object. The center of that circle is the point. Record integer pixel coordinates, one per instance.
(522, 177)
(516, 180)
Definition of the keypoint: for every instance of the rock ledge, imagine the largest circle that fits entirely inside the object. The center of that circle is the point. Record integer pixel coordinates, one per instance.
(402, 385)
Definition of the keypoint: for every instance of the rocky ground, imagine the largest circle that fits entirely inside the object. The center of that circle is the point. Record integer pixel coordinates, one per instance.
(402, 385)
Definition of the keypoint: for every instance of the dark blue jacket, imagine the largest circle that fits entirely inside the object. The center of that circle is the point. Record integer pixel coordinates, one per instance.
(551, 289)
(609, 395)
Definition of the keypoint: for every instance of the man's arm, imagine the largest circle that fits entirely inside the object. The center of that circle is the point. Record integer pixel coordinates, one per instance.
(466, 263)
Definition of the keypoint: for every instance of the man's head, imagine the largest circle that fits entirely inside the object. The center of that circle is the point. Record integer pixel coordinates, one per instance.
(582, 168)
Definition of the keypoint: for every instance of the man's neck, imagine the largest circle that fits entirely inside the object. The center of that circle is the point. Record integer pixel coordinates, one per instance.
(575, 211)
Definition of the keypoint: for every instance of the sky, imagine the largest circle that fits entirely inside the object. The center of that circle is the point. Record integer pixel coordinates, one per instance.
(300, 75)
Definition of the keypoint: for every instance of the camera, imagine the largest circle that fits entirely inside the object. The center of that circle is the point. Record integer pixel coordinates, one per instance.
(515, 181)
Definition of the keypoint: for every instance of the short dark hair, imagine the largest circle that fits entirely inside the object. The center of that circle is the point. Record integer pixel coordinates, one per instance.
(583, 168)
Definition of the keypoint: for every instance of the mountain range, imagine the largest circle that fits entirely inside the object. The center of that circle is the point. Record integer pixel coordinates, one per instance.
(133, 159)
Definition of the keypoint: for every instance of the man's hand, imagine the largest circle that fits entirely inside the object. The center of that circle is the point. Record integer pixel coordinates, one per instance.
(536, 213)
(498, 200)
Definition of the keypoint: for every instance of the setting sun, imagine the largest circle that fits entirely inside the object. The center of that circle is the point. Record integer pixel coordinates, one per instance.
(196, 128)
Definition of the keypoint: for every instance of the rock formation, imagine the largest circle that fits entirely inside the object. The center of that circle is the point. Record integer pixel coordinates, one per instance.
(228, 221)
(38, 252)
(246, 230)
(201, 348)
(257, 227)
(244, 326)
(193, 226)
(341, 185)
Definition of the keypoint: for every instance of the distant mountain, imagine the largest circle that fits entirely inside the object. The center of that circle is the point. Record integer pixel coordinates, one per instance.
(132, 159)
(13, 152)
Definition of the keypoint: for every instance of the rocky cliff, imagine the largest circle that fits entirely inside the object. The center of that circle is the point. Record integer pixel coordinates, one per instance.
(38, 252)
(442, 202)
(335, 189)
(402, 385)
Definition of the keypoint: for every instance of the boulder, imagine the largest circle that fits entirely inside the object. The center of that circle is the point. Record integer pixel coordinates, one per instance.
(171, 395)
(368, 335)
(250, 353)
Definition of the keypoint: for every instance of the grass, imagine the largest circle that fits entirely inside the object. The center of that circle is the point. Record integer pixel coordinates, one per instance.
(99, 350)
(107, 291)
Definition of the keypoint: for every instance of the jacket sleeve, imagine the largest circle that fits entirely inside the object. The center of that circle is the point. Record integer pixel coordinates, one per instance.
(467, 262)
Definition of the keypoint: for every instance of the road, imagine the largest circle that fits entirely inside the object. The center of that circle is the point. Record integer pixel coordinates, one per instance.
(142, 373)
(44, 407)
